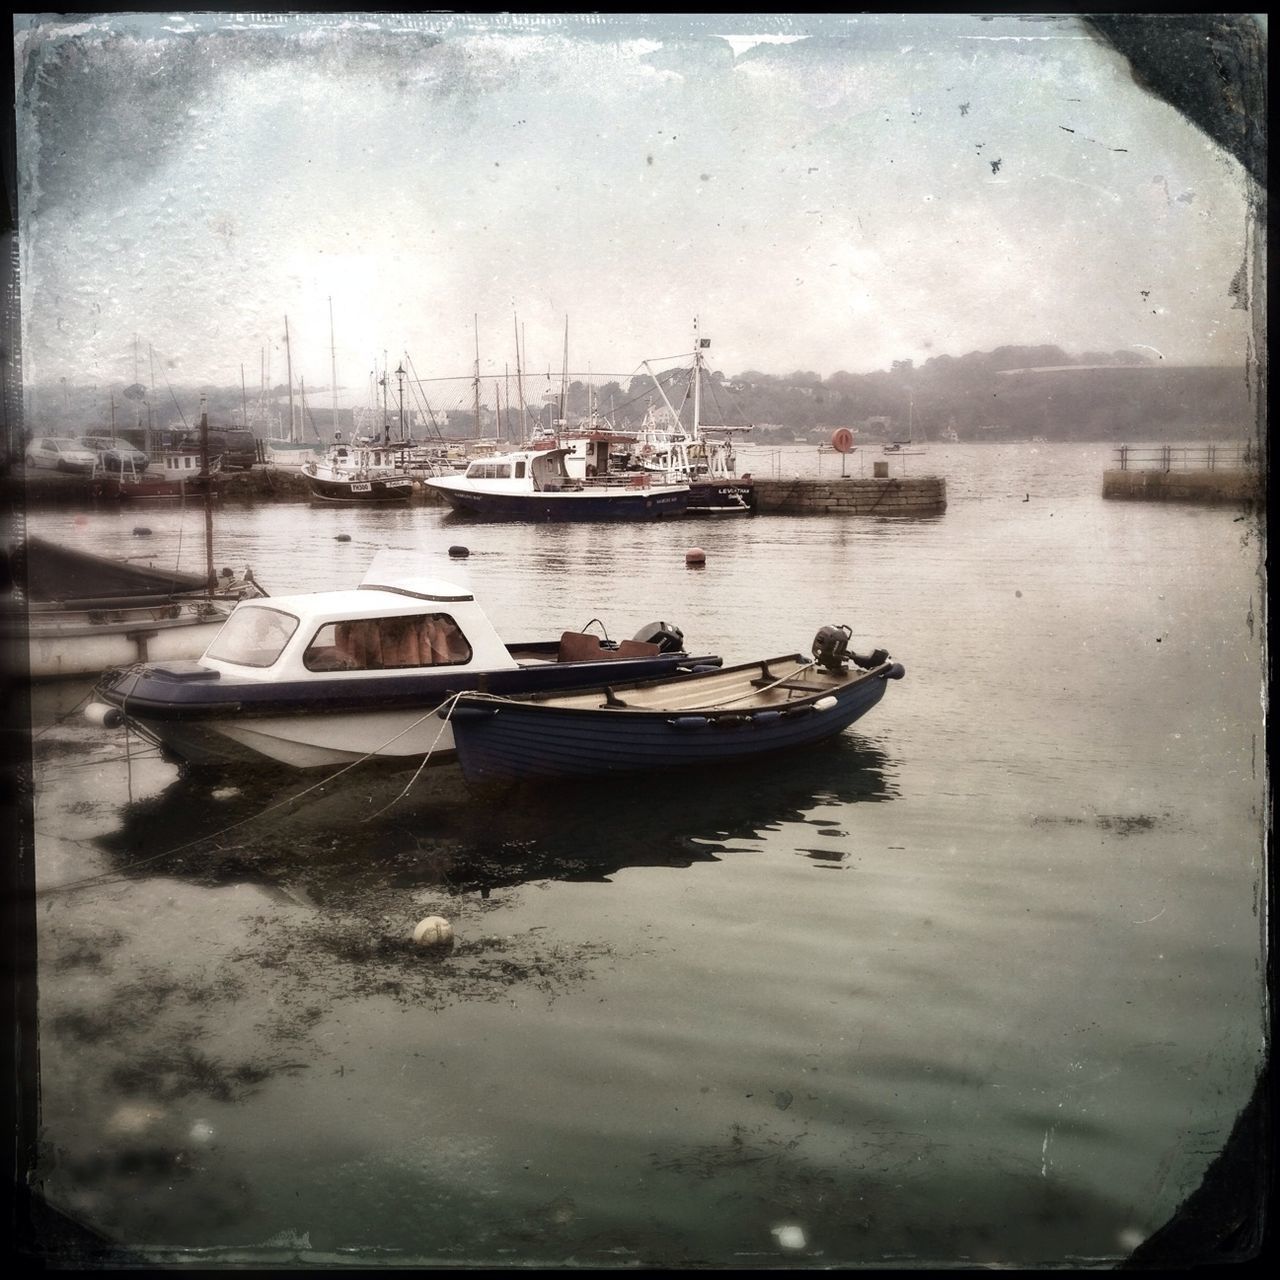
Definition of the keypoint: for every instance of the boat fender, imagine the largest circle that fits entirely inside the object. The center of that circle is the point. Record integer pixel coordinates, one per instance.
(766, 717)
(826, 703)
(689, 722)
(701, 668)
(101, 713)
(895, 672)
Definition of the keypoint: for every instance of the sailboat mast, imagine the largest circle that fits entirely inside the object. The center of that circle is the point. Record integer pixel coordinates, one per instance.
(288, 356)
(476, 380)
(333, 370)
(244, 400)
(208, 495)
(697, 379)
(519, 382)
(564, 376)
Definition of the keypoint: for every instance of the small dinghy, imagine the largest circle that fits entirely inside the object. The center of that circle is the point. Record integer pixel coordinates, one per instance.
(675, 722)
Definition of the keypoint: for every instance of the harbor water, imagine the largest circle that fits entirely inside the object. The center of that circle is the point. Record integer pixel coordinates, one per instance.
(980, 982)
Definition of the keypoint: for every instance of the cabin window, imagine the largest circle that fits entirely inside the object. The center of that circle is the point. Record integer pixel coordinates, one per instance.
(253, 636)
(519, 470)
(379, 644)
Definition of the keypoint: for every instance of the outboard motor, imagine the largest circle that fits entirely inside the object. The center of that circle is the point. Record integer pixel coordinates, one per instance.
(666, 635)
(831, 647)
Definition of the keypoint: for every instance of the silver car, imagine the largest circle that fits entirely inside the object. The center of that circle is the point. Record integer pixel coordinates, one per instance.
(116, 455)
(60, 454)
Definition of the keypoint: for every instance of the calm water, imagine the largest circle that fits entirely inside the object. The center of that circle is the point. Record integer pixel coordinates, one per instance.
(981, 981)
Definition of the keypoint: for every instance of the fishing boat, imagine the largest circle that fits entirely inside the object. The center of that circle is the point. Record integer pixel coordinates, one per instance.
(334, 677)
(703, 455)
(175, 472)
(535, 484)
(80, 613)
(359, 472)
(673, 722)
(901, 447)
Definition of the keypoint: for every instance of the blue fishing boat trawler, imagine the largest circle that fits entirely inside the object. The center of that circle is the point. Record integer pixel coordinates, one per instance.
(692, 718)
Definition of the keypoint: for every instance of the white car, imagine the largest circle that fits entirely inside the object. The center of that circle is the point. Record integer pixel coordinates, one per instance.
(60, 455)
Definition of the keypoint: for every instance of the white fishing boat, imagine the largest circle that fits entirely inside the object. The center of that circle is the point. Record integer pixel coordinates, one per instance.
(360, 472)
(702, 456)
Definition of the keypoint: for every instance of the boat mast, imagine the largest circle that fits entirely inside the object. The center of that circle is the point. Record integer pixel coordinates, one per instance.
(400, 377)
(288, 355)
(564, 380)
(476, 379)
(208, 495)
(333, 371)
(386, 429)
(151, 357)
(524, 425)
(697, 378)
(244, 400)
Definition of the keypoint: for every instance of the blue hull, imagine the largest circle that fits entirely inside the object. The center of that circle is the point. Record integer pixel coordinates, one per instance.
(542, 507)
(519, 742)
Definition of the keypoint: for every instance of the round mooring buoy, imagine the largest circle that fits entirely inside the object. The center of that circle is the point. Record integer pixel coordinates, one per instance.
(343, 537)
(141, 531)
(695, 557)
(459, 552)
(434, 931)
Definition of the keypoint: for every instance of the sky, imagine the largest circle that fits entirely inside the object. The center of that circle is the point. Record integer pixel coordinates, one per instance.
(826, 192)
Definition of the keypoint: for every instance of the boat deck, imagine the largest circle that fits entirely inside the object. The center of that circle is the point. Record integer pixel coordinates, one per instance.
(772, 683)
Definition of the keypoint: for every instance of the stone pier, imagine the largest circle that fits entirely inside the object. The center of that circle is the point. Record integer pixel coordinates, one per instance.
(852, 496)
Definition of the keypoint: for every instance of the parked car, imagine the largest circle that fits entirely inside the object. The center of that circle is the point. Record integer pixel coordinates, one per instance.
(60, 454)
(116, 455)
(237, 446)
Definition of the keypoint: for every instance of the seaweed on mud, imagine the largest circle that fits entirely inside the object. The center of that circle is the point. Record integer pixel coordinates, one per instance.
(87, 951)
(170, 1073)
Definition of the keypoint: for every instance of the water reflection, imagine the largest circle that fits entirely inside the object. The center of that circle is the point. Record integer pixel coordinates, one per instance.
(442, 836)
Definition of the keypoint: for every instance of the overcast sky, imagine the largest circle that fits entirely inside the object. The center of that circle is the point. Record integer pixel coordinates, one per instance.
(823, 192)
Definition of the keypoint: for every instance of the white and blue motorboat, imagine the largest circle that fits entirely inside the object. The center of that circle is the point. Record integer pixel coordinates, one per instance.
(681, 721)
(333, 677)
(535, 484)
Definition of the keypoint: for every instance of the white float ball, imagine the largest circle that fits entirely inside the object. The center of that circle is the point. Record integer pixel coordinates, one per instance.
(434, 931)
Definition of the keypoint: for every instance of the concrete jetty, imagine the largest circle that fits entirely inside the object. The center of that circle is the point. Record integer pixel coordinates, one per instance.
(1198, 485)
(851, 496)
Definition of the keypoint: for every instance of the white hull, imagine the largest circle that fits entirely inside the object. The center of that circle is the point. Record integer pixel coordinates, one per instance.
(312, 741)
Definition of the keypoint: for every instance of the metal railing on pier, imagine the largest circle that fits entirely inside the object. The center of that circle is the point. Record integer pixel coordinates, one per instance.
(1193, 457)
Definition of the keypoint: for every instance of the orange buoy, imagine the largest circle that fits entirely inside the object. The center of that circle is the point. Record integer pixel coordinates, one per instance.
(842, 440)
(695, 557)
